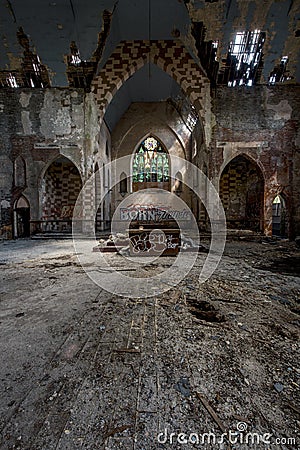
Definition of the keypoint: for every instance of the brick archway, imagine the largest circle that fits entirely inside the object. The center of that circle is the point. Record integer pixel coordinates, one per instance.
(241, 191)
(170, 56)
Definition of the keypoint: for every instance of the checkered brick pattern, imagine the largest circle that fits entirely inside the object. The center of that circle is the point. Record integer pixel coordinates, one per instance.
(61, 186)
(171, 56)
(88, 206)
(231, 184)
(241, 192)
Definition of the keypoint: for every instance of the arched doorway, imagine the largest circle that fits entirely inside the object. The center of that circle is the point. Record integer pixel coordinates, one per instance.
(61, 186)
(242, 194)
(22, 218)
(151, 166)
(279, 218)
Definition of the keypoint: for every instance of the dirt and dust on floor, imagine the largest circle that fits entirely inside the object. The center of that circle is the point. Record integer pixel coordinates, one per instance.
(84, 368)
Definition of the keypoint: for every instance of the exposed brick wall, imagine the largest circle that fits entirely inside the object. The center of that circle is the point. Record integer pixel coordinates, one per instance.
(61, 187)
(37, 125)
(170, 56)
(241, 192)
(260, 122)
(263, 123)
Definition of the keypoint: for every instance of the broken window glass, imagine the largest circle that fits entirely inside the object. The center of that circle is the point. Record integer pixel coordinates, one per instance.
(244, 59)
(280, 74)
(32, 73)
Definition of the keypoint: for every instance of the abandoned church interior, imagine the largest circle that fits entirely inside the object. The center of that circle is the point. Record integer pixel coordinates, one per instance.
(101, 103)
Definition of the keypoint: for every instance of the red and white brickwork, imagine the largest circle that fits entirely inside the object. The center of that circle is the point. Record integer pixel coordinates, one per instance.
(171, 56)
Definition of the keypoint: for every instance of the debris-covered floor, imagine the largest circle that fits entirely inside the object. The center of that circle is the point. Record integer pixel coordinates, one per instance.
(82, 368)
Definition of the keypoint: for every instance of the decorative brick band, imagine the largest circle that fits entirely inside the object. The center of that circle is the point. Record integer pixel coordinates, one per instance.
(171, 56)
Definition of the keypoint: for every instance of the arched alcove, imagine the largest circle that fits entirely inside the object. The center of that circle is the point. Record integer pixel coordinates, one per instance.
(242, 194)
(61, 186)
(203, 221)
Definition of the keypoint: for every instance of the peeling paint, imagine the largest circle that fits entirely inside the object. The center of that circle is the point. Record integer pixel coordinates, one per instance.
(62, 122)
(15, 62)
(25, 99)
(26, 122)
(282, 110)
(55, 119)
(5, 204)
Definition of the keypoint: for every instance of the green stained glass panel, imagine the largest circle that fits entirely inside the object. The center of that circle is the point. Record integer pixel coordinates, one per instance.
(150, 162)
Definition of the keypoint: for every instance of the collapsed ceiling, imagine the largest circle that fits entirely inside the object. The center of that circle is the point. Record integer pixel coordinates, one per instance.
(64, 42)
(53, 25)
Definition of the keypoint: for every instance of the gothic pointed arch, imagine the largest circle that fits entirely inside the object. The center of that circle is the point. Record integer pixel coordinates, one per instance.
(280, 216)
(170, 56)
(242, 193)
(22, 217)
(61, 185)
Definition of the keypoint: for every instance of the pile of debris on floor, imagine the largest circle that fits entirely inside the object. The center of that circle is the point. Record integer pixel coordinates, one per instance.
(120, 243)
(114, 243)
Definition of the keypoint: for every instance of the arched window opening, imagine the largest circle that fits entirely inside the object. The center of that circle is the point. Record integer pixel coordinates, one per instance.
(22, 218)
(178, 183)
(151, 163)
(279, 217)
(107, 149)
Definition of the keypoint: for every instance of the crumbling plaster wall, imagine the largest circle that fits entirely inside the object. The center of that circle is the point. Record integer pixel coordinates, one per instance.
(261, 122)
(40, 125)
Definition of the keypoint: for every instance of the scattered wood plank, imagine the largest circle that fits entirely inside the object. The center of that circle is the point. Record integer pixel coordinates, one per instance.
(117, 430)
(126, 350)
(204, 323)
(212, 412)
(291, 406)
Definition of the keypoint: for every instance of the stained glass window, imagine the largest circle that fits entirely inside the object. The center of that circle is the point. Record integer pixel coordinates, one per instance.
(151, 162)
